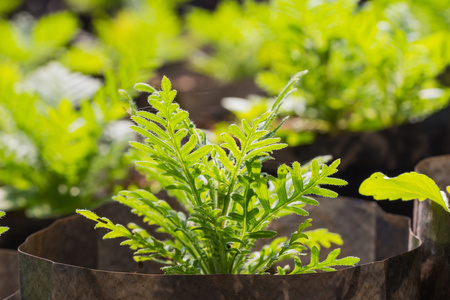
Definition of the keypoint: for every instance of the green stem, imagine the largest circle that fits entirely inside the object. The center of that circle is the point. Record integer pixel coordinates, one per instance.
(239, 161)
(186, 172)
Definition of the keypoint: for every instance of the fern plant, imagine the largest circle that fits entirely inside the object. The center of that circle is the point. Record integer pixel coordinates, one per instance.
(228, 201)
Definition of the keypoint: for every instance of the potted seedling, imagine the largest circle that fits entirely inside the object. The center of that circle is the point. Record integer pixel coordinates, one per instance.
(212, 245)
(224, 193)
(431, 218)
(9, 268)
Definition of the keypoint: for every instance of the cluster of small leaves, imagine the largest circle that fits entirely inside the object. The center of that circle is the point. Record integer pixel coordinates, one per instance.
(407, 186)
(3, 229)
(228, 200)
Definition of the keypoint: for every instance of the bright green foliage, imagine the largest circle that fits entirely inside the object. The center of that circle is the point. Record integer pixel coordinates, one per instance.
(3, 229)
(88, 57)
(128, 38)
(33, 42)
(371, 65)
(407, 186)
(322, 237)
(228, 200)
(235, 43)
(61, 154)
(140, 37)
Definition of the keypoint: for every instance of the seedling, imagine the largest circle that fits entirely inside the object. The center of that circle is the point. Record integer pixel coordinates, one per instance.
(229, 201)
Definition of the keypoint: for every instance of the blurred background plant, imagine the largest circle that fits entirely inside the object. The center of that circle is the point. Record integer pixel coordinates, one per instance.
(134, 42)
(62, 133)
(229, 39)
(61, 145)
(132, 38)
(31, 42)
(372, 64)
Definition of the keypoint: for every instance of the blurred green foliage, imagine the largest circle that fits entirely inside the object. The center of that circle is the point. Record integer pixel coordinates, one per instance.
(140, 38)
(62, 137)
(58, 156)
(32, 42)
(132, 40)
(371, 66)
(94, 6)
(229, 39)
(9, 6)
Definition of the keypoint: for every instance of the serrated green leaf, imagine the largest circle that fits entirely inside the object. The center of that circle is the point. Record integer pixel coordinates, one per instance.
(150, 126)
(262, 143)
(112, 235)
(88, 214)
(223, 158)
(297, 210)
(144, 87)
(152, 117)
(264, 150)
(156, 103)
(179, 117)
(322, 237)
(246, 127)
(323, 192)
(3, 229)
(296, 173)
(262, 234)
(198, 154)
(252, 213)
(236, 217)
(309, 201)
(189, 146)
(407, 186)
(230, 144)
(152, 138)
(179, 135)
(142, 147)
(334, 181)
(237, 132)
(315, 168)
(166, 85)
